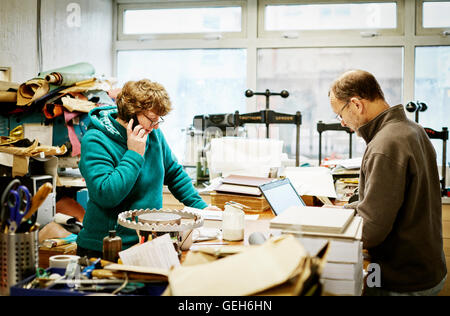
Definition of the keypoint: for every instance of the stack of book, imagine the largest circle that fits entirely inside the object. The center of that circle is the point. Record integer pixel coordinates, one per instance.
(241, 189)
(314, 226)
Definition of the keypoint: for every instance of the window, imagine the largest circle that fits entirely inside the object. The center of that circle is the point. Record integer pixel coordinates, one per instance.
(377, 17)
(432, 86)
(433, 17)
(199, 81)
(217, 49)
(307, 73)
(154, 21)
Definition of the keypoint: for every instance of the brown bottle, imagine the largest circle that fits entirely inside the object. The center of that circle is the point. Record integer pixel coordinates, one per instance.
(112, 245)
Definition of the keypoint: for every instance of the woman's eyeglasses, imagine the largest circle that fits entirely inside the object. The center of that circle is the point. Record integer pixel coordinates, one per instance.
(160, 121)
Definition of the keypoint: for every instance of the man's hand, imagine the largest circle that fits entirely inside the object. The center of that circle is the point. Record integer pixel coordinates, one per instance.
(137, 138)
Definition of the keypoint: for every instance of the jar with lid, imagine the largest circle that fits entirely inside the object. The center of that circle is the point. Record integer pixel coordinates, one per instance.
(233, 220)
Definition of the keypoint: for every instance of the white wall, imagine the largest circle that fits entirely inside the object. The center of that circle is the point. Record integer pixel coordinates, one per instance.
(62, 44)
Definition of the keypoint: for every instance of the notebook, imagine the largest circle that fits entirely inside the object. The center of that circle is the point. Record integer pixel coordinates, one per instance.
(281, 195)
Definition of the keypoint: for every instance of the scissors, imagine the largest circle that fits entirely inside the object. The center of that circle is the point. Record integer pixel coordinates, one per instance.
(19, 202)
(4, 203)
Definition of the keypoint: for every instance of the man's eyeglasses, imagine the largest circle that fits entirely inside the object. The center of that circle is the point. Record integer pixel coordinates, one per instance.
(338, 116)
(160, 121)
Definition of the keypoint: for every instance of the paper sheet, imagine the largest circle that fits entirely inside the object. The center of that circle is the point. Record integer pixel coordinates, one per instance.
(353, 163)
(43, 133)
(216, 215)
(314, 181)
(158, 253)
(243, 156)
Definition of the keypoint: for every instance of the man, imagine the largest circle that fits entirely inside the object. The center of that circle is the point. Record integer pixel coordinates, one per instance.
(399, 190)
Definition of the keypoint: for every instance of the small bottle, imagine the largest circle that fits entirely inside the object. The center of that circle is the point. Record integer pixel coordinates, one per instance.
(233, 220)
(112, 245)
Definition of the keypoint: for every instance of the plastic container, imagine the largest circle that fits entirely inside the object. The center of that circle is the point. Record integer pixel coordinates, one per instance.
(233, 220)
(112, 245)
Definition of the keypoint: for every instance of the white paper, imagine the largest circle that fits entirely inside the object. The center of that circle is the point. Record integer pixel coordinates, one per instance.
(43, 133)
(314, 181)
(157, 253)
(216, 215)
(236, 155)
(354, 163)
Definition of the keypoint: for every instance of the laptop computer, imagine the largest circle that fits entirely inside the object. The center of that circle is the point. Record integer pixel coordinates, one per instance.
(280, 194)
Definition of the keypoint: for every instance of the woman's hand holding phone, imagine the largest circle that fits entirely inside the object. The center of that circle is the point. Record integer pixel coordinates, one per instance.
(136, 136)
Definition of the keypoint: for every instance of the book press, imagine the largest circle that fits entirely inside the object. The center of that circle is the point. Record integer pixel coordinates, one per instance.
(209, 126)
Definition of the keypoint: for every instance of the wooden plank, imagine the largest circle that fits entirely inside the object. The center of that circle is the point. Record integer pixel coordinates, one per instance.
(446, 229)
(170, 202)
(446, 290)
(255, 203)
(446, 212)
(447, 247)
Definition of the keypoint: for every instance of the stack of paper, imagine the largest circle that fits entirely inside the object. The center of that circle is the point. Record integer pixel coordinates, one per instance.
(343, 271)
(313, 181)
(241, 189)
(244, 156)
(238, 184)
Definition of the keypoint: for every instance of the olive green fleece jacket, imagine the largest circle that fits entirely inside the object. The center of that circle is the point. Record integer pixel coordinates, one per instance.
(119, 179)
(400, 203)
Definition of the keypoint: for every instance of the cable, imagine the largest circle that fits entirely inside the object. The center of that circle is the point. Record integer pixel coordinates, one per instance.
(124, 284)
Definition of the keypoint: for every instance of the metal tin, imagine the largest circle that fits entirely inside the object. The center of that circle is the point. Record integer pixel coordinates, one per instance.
(19, 257)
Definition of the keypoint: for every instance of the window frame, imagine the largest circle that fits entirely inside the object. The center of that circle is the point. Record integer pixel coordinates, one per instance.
(420, 30)
(122, 7)
(252, 41)
(399, 30)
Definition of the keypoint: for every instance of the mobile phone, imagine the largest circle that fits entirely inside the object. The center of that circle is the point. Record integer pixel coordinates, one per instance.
(135, 122)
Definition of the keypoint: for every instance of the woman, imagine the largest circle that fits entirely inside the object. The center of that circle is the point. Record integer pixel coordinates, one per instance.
(125, 161)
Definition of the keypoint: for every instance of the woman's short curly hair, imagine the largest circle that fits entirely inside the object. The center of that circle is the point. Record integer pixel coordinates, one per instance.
(140, 96)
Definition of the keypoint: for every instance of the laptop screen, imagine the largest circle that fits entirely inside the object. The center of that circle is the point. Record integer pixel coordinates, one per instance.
(281, 195)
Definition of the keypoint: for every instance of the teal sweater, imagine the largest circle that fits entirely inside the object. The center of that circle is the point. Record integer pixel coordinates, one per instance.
(119, 179)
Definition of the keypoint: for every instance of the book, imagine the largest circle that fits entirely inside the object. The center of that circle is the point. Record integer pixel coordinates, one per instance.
(307, 219)
(343, 287)
(246, 180)
(242, 185)
(239, 189)
(340, 250)
(343, 271)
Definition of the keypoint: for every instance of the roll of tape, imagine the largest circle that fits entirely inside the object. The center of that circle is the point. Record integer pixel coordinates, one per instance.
(61, 261)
